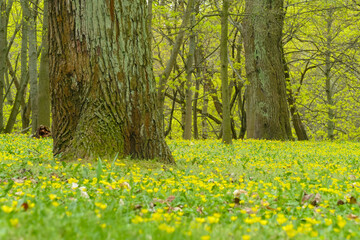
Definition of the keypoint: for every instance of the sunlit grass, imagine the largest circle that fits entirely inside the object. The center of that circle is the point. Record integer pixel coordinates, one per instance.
(250, 190)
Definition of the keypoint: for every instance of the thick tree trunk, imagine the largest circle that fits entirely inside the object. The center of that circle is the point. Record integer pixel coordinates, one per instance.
(44, 88)
(267, 110)
(226, 125)
(101, 77)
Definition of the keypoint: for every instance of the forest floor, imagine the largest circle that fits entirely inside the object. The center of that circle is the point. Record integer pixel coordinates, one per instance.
(250, 190)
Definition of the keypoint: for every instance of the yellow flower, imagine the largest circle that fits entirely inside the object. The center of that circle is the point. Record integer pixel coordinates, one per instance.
(14, 222)
(103, 225)
(328, 221)
(7, 209)
(263, 222)
(102, 206)
(52, 196)
(55, 204)
(314, 234)
(205, 237)
(246, 237)
(212, 219)
(290, 231)
(233, 218)
(166, 228)
(137, 219)
(341, 222)
(281, 219)
(144, 211)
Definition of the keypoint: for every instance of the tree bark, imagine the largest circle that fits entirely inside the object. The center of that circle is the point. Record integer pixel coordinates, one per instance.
(204, 123)
(34, 96)
(4, 19)
(189, 82)
(102, 84)
(295, 116)
(44, 88)
(328, 79)
(226, 125)
(267, 115)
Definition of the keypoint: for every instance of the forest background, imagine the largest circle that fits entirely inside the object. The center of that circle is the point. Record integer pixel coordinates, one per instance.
(320, 47)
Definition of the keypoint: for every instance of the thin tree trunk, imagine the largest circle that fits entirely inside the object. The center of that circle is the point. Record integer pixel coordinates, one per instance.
(295, 116)
(226, 125)
(8, 94)
(101, 77)
(267, 110)
(168, 131)
(328, 80)
(44, 88)
(189, 82)
(239, 85)
(34, 97)
(20, 94)
(204, 123)
(196, 95)
(4, 19)
(164, 76)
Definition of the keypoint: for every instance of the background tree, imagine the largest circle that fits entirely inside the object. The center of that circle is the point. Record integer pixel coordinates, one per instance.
(33, 74)
(44, 88)
(226, 125)
(103, 89)
(5, 7)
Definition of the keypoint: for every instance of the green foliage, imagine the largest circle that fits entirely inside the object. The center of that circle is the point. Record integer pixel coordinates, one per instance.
(252, 189)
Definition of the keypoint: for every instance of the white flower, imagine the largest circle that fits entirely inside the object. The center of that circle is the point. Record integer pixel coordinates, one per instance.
(74, 185)
(83, 192)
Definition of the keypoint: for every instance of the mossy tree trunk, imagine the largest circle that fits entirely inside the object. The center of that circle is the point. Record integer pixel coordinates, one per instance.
(102, 84)
(267, 115)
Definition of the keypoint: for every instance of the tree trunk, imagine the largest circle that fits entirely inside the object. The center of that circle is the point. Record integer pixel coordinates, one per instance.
(4, 19)
(328, 80)
(267, 115)
(101, 77)
(34, 98)
(204, 123)
(44, 88)
(239, 88)
(20, 94)
(226, 125)
(295, 116)
(198, 55)
(189, 83)
(174, 52)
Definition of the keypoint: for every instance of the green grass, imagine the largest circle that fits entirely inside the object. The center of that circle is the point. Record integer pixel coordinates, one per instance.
(250, 190)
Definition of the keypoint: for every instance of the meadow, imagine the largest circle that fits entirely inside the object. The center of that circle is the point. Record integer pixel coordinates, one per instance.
(250, 190)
